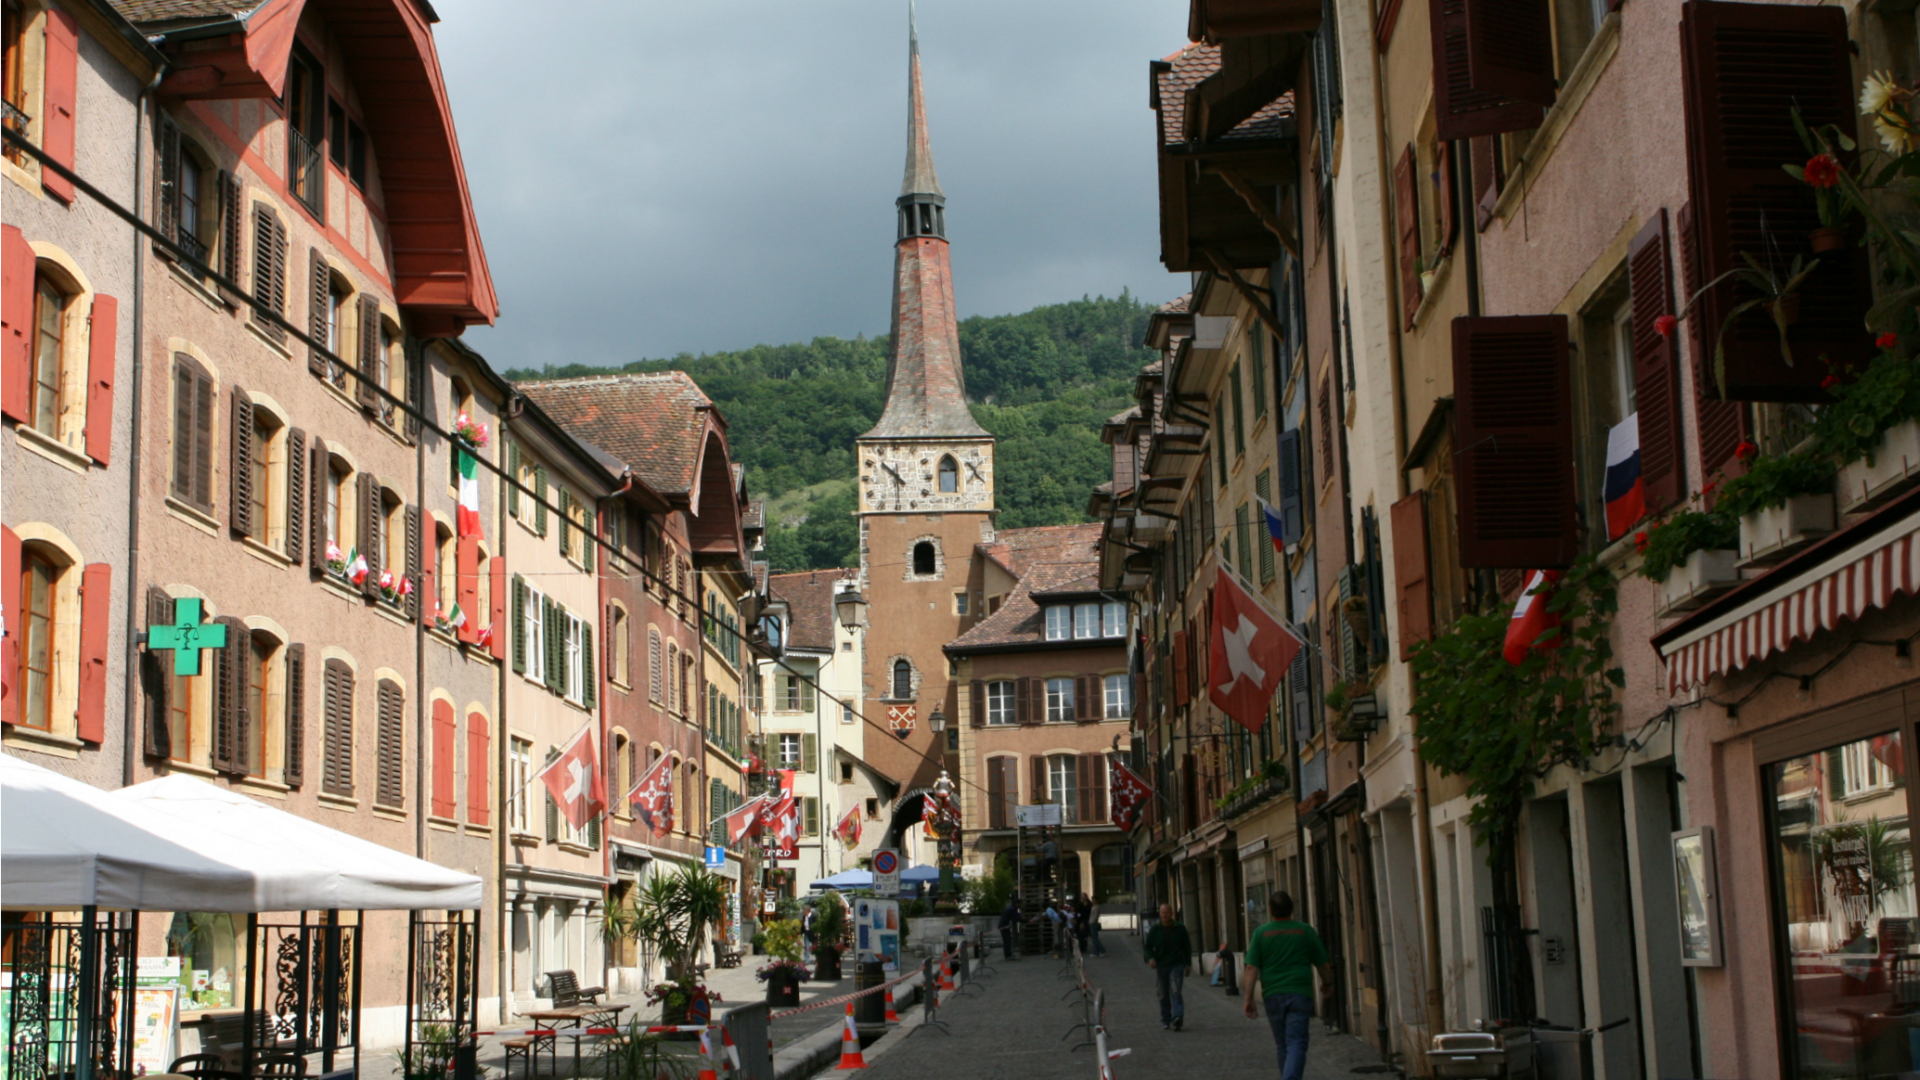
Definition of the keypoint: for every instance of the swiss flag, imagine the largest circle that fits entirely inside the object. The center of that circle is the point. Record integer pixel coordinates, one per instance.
(780, 815)
(575, 780)
(742, 820)
(652, 797)
(1252, 648)
(1531, 619)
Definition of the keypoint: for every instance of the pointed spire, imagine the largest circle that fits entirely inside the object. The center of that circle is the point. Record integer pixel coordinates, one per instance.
(920, 177)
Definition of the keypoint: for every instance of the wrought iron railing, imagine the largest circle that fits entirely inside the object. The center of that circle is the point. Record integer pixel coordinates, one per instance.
(305, 171)
(66, 988)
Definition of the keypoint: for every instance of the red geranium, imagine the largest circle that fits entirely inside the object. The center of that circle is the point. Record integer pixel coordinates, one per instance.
(1640, 541)
(1887, 340)
(1746, 451)
(1665, 324)
(1822, 171)
(1829, 382)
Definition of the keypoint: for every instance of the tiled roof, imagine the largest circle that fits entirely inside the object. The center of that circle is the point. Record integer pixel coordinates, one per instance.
(1179, 305)
(650, 421)
(152, 11)
(1187, 69)
(1019, 620)
(1051, 543)
(809, 597)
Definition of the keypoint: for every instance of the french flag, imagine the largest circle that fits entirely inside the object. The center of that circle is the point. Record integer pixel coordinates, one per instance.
(1624, 491)
(1276, 525)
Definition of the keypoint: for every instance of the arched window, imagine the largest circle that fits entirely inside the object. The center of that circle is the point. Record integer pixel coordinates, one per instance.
(263, 702)
(49, 344)
(902, 679)
(949, 475)
(923, 557)
(38, 577)
(617, 644)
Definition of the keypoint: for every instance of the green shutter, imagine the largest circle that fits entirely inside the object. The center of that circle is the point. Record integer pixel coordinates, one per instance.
(1239, 413)
(566, 521)
(806, 693)
(540, 500)
(1220, 438)
(519, 627)
(809, 753)
(810, 815)
(1241, 539)
(1256, 342)
(513, 480)
(717, 795)
(589, 692)
(553, 808)
(555, 647)
(1263, 487)
(593, 832)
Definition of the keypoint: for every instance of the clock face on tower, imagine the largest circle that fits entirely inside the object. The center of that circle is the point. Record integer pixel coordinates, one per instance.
(926, 477)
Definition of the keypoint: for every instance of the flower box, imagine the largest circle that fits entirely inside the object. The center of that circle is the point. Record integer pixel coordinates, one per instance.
(1770, 534)
(1706, 573)
(1895, 465)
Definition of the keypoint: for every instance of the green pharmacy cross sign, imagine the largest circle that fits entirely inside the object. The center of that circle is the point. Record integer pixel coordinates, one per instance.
(187, 636)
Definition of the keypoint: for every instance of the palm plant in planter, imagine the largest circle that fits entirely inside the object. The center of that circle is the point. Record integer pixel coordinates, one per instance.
(675, 915)
(830, 936)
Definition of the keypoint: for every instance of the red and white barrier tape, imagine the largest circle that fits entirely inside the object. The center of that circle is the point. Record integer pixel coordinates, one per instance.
(844, 998)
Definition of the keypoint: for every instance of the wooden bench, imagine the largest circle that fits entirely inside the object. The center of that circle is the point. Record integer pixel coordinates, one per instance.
(726, 956)
(567, 990)
(527, 1048)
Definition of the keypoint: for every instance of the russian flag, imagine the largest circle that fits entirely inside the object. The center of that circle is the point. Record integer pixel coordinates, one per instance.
(1625, 493)
(1276, 526)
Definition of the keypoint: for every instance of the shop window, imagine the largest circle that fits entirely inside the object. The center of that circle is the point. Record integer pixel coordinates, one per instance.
(209, 948)
(1843, 885)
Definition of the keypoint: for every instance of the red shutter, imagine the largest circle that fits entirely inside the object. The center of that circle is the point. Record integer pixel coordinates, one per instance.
(1462, 109)
(102, 347)
(1411, 577)
(1656, 374)
(1510, 49)
(16, 321)
(1513, 454)
(96, 616)
(430, 572)
(445, 735)
(479, 769)
(1745, 68)
(1719, 425)
(10, 644)
(62, 91)
(1406, 212)
(497, 600)
(466, 585)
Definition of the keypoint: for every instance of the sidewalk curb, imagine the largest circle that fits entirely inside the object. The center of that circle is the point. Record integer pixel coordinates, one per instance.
(805, 1056)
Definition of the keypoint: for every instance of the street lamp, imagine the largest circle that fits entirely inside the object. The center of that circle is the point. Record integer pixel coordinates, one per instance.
(851, 607)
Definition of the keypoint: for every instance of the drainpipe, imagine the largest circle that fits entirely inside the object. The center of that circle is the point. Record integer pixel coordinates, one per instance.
(502, 824)
(134, 604)
(420, 636)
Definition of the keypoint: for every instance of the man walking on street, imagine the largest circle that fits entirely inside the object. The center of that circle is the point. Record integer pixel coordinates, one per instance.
(1010, 917)
(1168, 950)
(1282, 958)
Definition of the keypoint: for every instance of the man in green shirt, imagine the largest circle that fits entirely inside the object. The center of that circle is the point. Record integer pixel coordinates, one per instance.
(1281, 958)
(1168, 951)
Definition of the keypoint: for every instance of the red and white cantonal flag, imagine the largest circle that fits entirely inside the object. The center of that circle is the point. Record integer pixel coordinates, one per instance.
(744, 819)
(1531, 619)
(1128, 796)
(575, 779)
(849, 828)
(652, 797)
(1252, 648)
(780, 814)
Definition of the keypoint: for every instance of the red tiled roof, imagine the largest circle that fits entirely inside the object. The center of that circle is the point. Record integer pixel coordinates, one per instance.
(1187, 69)
(809, 597)
(651, 421)
(1179, 305)
(1020, 620)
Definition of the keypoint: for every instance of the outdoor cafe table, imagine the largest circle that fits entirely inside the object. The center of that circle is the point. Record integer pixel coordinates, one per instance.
(577, 1016)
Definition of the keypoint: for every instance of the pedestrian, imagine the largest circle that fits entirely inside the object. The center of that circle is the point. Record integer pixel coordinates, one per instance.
(1010, 917)
(1168, 950)
(1056, 929)
(1281, 960)
(1090, 923)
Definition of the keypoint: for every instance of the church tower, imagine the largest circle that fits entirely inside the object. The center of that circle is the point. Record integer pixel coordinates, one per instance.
(926, 483)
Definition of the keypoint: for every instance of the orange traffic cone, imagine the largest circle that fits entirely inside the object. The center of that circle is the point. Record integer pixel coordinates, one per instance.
(706, 1056)
(892, 1017)
(946, 975)
(850, 1056)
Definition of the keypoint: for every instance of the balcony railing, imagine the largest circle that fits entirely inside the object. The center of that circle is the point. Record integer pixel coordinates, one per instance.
(16, 121)
(305, 171)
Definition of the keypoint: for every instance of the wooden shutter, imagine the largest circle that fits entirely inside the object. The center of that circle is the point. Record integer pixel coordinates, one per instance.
(102, 347)
(479, 770)
(319, 294)
(166, 182)
(566, 520)
(337, 720)
(997, 793)
(414, 355)
(240, 464)
(230, 209)
(589, 677)
(553, 808)
(1022, 703)
(96, 617)
(1083, 788)
(466, 585)
(556, 641)
(1510, 49)
(1093, 693)
(390, 790)
(322, 474)
(1462, 108)
(977, 703)
(61, 89)
(294, 743)
(16, 322)
(513, 480)
(296, 494)
(540, 501)
(1300, 695)
(1094, 783)
(156, 677)
(1656, 372)
(1181, 684)
(1720, 425)
(372, 363)
(231, 719)
(519, 627)
(270, 280)
(1449, 207)
(1484, 153)
(1514, 430)
(1037, 778)
(445, 734)
(200, 416)
(373, 527)
(1292, 506)
(1406, 214)
(1411, 577)
(416, 539)
(809, 753)
(1744, 68)
(497, 602)
(10, 569)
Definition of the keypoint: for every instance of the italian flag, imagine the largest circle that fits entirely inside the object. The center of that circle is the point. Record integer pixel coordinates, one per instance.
(459, 618)
(469, 523)
(356, 566)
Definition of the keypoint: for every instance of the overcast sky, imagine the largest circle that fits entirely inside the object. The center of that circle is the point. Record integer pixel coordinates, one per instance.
(654, 177)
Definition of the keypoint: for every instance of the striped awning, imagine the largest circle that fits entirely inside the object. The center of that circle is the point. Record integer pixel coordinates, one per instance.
(1847, 585)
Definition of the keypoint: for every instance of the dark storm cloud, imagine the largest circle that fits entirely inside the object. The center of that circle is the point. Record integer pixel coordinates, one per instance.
(653, 178)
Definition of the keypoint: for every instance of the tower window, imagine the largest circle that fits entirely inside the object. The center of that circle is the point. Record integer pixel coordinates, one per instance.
(902, 679)
(923, 562)
(949, 476)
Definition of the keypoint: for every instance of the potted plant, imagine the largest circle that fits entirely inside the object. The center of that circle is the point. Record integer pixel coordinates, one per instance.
(1782, 503)
(638, 1055)
(830, 934)
(674, 913)
(1779, 295)
(1822, 174)
(1871, 428)
(1692, 555)
(784, 973)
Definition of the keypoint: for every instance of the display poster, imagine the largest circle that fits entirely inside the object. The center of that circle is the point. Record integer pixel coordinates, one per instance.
(156, 1028)
(877, 929)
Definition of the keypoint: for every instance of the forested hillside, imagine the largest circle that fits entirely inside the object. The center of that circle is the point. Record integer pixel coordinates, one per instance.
(1042, 381)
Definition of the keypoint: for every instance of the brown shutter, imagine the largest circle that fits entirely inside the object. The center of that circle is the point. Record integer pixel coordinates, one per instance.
(1514, 451)
(1180, 685)
(1510, 49)
(319, 299)
(1720, 425)
(156, 678)
(240, 465)
(1022, 705)
(1406, 212)
(270, 273)
(296, 732)
(230, 209)
(1745, 68)
(1656, 374)
(1449, 197)
(479, 760)
(1485, 155)
(1093, 788)
(1410, 574)
(102, 345)
(96, 616)
(10, 566)
(337, 712)
(371, 362)
(415, 355)
(230, 716)
(1037, 774)
(414, 540)
(996, 794)
(1082, 790)
(390, 790)
(1463, 109)
(202, 414)
(371, 506)
(977, 702)
(322, 479)
(296, 494)
(429, 588)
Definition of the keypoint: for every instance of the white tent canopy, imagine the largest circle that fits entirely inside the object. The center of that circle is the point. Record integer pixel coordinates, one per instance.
(65, 845)
(365, 875)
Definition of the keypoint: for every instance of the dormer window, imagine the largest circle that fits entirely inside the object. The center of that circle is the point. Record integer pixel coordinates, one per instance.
(306, 130)
(949, 475)
(1087, 621)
